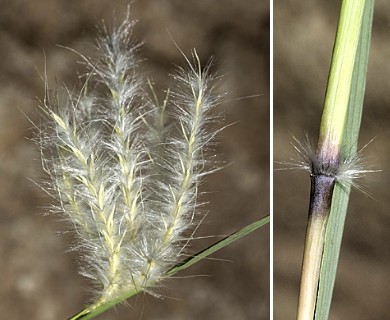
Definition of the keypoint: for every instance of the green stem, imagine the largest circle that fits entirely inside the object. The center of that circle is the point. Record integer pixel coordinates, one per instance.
(335, 225)
(339, 82)
(325, 166)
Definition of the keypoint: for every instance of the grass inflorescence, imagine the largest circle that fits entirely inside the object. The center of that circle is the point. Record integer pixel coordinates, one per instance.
(125, 168)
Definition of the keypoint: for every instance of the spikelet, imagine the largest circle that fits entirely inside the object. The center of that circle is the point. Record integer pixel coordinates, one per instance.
(126, 180)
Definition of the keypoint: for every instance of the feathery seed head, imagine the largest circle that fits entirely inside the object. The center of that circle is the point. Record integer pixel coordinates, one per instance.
(128, 182)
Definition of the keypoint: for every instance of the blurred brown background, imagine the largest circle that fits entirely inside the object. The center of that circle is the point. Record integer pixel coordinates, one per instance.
(304, 35)
(38, 280)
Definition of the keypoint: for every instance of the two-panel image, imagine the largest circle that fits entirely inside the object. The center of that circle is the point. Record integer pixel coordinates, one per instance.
(194, 160)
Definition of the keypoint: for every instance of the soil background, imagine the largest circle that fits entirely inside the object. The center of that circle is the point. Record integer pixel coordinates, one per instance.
(38, 279)
(303, 40)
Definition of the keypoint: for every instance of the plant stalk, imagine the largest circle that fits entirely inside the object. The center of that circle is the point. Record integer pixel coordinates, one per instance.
(339, 82)
(325, 166)
(335, 224)
(320, 202)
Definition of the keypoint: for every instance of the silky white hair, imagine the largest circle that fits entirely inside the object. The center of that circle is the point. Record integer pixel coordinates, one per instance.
(127, 178)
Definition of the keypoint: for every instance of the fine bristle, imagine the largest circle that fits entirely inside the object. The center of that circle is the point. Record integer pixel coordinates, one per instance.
(348, 171)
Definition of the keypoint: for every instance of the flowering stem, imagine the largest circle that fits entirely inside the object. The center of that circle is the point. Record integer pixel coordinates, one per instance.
(327, 160)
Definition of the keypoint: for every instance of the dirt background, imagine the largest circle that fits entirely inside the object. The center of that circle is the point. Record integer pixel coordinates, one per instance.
(38, 280)
(304, 35)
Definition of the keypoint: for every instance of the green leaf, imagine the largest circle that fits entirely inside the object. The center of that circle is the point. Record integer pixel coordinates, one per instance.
(335, 227)
(92, 312)
(338, 90)
(218, 245)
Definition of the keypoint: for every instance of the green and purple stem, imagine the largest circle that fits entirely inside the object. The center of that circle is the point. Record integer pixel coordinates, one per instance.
(325, 166)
